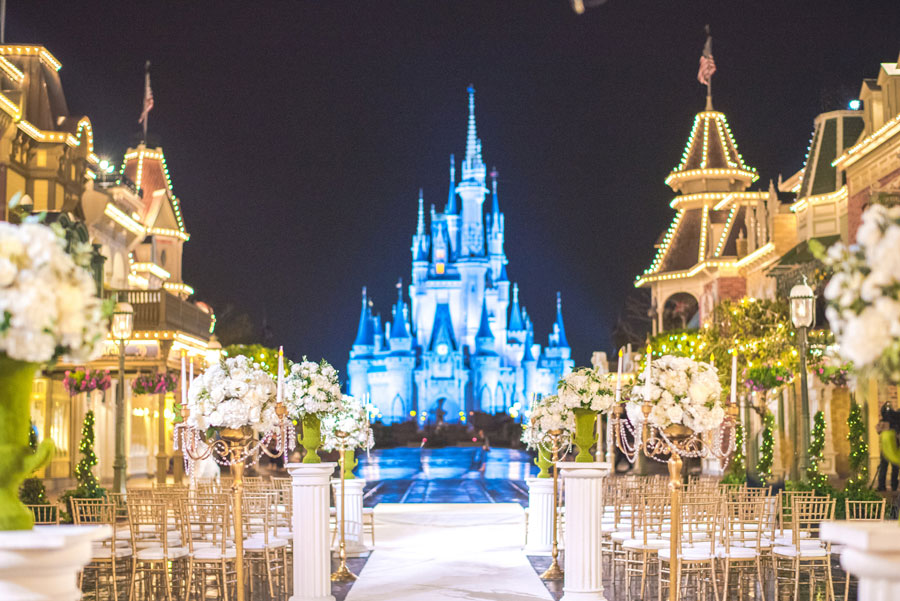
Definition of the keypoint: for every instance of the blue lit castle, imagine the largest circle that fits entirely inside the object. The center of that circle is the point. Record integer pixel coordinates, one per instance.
(463, 343)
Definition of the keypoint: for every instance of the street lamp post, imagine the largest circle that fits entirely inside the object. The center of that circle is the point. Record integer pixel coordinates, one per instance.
(802, 316)
(121, 329)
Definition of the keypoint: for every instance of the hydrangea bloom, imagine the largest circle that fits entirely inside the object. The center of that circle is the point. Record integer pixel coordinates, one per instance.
(48, 302)
(586, 388)
(548, 415)
(352, 419)
(864, 293)
(312, 389)
(232, 394)
(681, 391)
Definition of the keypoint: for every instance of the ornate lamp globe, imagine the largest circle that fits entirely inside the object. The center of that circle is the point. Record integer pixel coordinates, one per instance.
(122, 321)
(802, 305)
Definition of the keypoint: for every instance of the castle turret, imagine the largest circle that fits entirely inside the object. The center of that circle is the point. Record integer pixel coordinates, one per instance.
(495, 232)
(420, 247)
(365, 340)
(516, 328)
(400, 340)
(484, 339)
(451, 211)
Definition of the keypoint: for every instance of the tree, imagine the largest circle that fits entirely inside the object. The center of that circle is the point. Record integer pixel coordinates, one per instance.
(33, 491)
(265, 356)
(88, 486)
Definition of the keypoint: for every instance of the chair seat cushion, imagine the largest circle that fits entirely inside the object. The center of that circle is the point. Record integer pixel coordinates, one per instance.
(259, 544)
(804, 552)
(105, 552)
(156, 553)
(737, 553)
(805, 543)
(213, 553)
(687, 554)
(637, 544)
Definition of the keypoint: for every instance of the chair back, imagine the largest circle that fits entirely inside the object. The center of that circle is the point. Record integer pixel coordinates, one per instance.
(865, 511)
(207, 523)
(807, 514)
(44, 514)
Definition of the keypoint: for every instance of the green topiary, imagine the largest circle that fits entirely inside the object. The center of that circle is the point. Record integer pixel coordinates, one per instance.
(766, 449)
(32, 491)
(88, 486)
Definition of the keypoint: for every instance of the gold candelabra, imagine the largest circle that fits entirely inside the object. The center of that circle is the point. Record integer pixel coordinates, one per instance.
(676, 441)
(554, 572)
(234, 446)
(343, 573)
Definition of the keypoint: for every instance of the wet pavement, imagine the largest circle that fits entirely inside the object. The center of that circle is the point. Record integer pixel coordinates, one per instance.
(447, 475)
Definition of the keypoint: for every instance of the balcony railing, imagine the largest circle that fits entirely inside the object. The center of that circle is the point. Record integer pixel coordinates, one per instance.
(161, 310)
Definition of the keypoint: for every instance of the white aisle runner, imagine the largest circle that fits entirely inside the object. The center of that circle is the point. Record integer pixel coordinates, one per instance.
(459, 551)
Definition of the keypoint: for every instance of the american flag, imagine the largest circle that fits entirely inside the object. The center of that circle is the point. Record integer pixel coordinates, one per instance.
(707, 63)
(148, 97)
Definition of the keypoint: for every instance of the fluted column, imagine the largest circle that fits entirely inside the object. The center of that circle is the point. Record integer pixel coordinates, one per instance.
(539, 536)
(353, 527)
(42, 564)
(312, 557)
(584, 516)
(871, 553)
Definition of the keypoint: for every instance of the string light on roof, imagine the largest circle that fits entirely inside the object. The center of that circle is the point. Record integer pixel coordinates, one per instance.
(704, 223)
(726, 231)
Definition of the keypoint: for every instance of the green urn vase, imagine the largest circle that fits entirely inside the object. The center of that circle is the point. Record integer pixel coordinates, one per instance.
(17, 461)
(543, 461)
(350, 463)
(585, 434)
(311, 438)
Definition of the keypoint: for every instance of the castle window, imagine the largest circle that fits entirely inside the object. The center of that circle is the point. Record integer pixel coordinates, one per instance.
(439, 268)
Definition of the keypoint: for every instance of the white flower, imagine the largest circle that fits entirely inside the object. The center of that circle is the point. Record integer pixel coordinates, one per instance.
(866, 337)
(681, 391)
(352, 420)
(232, 394)
(312, 389)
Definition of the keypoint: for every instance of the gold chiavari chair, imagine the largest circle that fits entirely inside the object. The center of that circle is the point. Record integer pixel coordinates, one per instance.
(44, 515)
(264, 553)
(640, 553)
(744, 520)
(160, 567)
(109, 567)
(696, 547)
(807, 553)
(211, 552)
(859, 511)
(784, 530)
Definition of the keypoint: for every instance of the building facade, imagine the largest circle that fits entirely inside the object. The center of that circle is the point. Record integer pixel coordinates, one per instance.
(463, 342)
(133, 218)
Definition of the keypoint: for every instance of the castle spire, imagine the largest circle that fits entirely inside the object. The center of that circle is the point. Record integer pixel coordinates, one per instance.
(484, 328)
(472, 149)
(420, 224)
(559, 326)
(398, 328)
(363, 330)
(451, 194)
(495, 207)
(515, 314)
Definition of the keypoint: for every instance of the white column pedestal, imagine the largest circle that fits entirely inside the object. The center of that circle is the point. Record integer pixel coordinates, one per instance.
(539, 536)
(42, 564)
(355, 544)
(871, 553)
(584, 514)
(312, 557)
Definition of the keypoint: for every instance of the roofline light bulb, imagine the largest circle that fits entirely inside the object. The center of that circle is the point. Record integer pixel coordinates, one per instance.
(854, 105)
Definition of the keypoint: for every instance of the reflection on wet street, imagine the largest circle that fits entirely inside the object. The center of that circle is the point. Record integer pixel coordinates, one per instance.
(448, 475)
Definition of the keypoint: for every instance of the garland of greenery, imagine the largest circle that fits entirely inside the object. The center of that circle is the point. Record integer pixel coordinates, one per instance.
(816, 447)
(837, 375)
(859, 449)
(737, 471)
(766, 449)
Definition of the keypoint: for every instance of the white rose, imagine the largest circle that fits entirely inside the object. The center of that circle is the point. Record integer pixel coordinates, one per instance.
(865, 337)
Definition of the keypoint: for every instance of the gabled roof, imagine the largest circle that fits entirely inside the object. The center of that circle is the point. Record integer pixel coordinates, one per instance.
(398, 327)
(147, 169)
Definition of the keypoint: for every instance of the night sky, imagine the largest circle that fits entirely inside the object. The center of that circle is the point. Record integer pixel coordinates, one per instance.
(298, 133)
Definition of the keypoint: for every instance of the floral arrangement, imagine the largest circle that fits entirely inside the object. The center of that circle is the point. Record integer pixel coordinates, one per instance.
(353, 419)
(681, 391)
(864, 293)
(586, 388)
(155, 383)
(312, 389)
(832, 371)
(49, 301)
(232, 394)
(766, 377)
(547, 415)
(86, 380)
